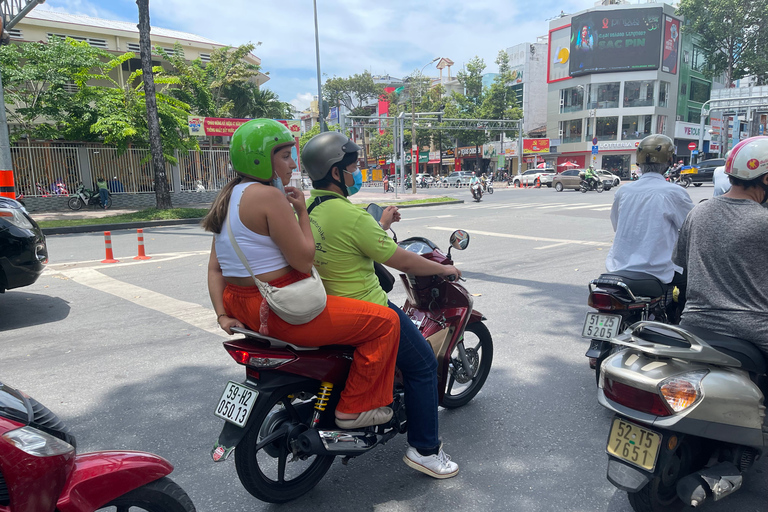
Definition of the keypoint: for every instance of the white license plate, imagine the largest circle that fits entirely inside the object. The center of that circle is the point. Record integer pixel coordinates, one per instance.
(600, 326)
(236, 403)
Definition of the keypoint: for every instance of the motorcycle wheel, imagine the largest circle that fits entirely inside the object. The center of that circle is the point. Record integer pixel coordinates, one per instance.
(660, 494)
(162, 495)
(269, 473)
(490, 190)
(600, 187)
(479, 353)
(687, 182)
(75, 203)
(583, 189)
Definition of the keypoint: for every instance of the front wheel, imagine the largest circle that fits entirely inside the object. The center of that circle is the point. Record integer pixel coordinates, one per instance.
(583, 189)
(75, 203)
(697, 184)
(559, 186)
(272, 473)
(490, 190)
(687, 182)
(476, 349)
(162, 495)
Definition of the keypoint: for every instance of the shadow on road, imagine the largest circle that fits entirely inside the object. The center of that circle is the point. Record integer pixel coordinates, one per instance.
(24, 309)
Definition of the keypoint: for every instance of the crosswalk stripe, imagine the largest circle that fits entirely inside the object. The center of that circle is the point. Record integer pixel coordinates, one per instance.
(605, 208)
(559, 205)
(586, 206)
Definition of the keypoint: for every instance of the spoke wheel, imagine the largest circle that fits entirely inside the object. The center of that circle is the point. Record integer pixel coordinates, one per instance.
(74, 203)
(465, 382)
(272, 473)
(162, 495)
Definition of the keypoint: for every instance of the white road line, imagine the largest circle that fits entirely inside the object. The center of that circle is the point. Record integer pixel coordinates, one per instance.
(558, 205)
(524, 237)
(551, 246)
(124, 260)
(603, 209)
(587, 206)
(188, 312)
(428, 217)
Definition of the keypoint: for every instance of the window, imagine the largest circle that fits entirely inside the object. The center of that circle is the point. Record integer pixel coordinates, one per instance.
(96, 43)
(699, 59)
(635, 127)
(572, 99)
(205, 57)
(699, 91)
(172, 52)
(607, 128)
(694, 115)
(661, 124)
(134, 47)
(638, 94)
(588, 128)
(14, 33)
(571, 131)
(664, 94)
(570, 172)
(604, 95)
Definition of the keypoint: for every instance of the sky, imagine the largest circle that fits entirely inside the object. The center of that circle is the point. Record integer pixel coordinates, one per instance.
(394, 37)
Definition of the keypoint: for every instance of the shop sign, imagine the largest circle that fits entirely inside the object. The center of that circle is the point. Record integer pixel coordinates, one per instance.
(423, 157)
(434, 155)
(617, 145)
(691, 131)
(448, 153)
(468, 151)
(489, 151)
(219, 126)
(535, 146)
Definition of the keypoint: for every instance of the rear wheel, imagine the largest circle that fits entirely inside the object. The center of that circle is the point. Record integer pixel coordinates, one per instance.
(271, 473)
(75, 203)
(660, 494)
(559, 186)
(490, 189)
(600, 187)
(697, 184)
(162, 495)
(476, 348)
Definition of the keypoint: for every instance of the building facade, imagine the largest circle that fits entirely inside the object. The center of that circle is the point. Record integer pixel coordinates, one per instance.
(528, 62)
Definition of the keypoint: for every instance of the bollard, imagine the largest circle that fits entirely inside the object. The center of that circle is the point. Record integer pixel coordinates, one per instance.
(142, 255)
(108, 243)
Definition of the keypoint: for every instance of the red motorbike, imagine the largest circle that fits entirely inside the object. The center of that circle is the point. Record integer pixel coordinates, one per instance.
(40, 471)
(281, 418)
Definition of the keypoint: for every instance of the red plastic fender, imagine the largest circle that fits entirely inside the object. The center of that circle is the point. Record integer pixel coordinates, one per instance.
(100, 477)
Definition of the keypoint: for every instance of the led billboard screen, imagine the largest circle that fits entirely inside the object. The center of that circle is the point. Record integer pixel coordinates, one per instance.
(616, 40)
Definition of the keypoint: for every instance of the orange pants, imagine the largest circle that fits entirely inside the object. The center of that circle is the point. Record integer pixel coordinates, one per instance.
(373, 330)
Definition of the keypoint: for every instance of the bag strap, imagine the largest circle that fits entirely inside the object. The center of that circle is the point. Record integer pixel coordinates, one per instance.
(318, 201)
(239, 251)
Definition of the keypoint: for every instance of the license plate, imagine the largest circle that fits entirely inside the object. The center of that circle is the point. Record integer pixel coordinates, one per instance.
(634, 444)
(600, 326)
(236, 403)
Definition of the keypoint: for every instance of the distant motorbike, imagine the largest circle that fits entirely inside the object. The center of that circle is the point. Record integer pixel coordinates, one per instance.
(488, 186)
(84, 196)
(477, 192)
(596, 184)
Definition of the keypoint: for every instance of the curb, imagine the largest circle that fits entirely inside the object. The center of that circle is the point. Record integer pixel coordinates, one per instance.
(92, 228)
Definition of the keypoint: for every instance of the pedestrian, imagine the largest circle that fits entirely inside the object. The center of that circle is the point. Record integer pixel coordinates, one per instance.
(103, 191)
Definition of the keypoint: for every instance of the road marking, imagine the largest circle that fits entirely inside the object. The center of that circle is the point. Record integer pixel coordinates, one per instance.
(188, 312)
(127, 260)
(428, 217)
(558, 205)
(551, 246)
(587, 206)
(524, 237)
(603, 209)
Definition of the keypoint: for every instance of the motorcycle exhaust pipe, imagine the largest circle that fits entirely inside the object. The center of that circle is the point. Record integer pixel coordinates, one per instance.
(336, 442)
(718, 481)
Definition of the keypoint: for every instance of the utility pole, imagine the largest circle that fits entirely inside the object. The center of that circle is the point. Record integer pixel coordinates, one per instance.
(414, 147)
(323, 126)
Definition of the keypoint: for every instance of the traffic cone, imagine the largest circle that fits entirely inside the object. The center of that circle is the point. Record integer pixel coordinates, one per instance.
(142, 255)
(108, 243)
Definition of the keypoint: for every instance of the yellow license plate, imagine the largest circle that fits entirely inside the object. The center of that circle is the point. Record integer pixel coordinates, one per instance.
(634, 444)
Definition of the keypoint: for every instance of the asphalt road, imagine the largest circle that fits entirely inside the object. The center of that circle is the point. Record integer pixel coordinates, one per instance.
(129, 355)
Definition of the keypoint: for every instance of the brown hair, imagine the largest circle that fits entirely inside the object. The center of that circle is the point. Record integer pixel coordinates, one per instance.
(214, 220)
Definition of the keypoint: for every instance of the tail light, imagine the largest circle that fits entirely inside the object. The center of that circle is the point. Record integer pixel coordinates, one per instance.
(605, 301)
(636, 399)
(255, 359)
(682, 391)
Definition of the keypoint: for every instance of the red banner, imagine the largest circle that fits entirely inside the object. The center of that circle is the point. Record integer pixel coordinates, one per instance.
(671, 45)
(535, 146)
(221, 126)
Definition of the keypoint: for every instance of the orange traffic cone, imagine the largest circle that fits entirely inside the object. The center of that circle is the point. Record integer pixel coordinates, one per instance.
(142, 255)
(108, 243)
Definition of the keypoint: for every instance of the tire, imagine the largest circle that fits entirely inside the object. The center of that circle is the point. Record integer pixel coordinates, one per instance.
(616, 182)
(516, 183)
(583, 189)
(697, 184)
(600, 188)
(559, 186)
(480, 357)
(251, 465)
(490, 190)
(75, 203)
(660, 494)
(687, 182)
(162, 495)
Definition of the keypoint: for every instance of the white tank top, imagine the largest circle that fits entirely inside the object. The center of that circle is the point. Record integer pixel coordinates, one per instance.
(262, 253)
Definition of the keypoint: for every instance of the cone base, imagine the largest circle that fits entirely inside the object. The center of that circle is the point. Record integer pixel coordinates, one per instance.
(110, 261)
(142, 257)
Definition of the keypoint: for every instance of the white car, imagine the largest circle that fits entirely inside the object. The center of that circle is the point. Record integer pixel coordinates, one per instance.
(531, 176)
(423, 176)
(605, 176)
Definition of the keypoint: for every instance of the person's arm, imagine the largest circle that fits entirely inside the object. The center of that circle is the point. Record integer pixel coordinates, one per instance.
(390, 216)
(216, 285)
(615, 210)
(413, 264)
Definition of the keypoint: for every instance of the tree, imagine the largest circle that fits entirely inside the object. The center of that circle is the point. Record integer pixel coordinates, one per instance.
(353, 92)
(249, 101)
(162, 190)
(470, 104)
(381, 144)
(731, 34)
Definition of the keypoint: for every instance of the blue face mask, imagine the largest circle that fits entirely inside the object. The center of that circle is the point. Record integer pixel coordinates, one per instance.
(278, 183)
(358, 177)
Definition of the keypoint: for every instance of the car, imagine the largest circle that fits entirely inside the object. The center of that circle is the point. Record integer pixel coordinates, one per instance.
(423, 176)
(571, 179)
(458, 178)
(530, 177)
(703, 171)
(609, 176)
(23, 251)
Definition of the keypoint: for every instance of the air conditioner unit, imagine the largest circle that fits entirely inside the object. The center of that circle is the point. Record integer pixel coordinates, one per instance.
(560, 135)
(679, 118)
(562, 101)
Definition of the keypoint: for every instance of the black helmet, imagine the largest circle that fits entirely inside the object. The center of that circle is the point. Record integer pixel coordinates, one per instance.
(325, 150)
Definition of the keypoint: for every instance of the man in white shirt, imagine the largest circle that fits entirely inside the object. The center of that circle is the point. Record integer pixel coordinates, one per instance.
(647, 215)
(720, 179)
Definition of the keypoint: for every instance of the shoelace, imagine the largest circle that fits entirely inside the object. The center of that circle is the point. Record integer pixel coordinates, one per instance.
(443, 458)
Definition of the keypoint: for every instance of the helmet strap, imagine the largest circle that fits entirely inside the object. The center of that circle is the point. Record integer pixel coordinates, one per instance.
(340, 184)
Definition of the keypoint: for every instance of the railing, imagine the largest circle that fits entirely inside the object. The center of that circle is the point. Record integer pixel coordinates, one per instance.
(129, 172)
(208, 167)
(45, 170)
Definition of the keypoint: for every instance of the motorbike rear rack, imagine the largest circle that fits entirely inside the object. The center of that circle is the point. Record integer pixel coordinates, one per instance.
(272, 342)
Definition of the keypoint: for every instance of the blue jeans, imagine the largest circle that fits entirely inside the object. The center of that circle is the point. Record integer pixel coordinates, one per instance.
(418, 364)
(103, 197)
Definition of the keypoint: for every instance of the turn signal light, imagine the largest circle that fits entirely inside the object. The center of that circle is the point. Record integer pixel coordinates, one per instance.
(604, 301)
(682, 391)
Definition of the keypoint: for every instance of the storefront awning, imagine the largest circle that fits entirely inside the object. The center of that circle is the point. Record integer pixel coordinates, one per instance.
(434, 162)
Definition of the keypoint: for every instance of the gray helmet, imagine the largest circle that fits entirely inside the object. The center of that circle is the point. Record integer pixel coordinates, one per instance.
(656, 149)
(324, 150)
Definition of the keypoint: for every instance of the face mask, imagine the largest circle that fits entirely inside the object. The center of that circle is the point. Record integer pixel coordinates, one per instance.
(278, 183)
(358, 177)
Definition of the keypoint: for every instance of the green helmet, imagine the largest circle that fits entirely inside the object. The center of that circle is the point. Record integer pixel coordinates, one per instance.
(252, 146)
(656, 149)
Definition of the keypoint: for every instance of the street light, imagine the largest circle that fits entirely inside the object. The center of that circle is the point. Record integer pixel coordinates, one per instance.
(323, 127)
(413, 126)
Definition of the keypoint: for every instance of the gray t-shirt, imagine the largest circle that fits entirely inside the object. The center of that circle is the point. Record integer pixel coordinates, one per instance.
(723, 247)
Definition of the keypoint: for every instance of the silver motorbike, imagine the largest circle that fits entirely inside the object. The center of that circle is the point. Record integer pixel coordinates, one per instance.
(688, 414)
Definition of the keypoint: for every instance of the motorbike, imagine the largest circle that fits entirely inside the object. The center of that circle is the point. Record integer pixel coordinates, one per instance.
(596, 184)
(622, 299)
(488, 186)
(84, 196)
(677, 178)
(688, 414)
(477, 192)
(279, 421)
(40, 470)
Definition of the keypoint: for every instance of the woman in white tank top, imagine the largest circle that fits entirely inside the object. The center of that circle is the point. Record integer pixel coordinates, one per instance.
(272, 228)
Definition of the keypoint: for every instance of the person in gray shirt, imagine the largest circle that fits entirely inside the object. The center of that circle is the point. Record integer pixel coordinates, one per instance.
(723, 246)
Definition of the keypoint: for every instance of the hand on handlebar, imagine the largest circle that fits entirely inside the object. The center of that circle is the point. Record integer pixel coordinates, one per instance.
(390, 215)
(451, 273)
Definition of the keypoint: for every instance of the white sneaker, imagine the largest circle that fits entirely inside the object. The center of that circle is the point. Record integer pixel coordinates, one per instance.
(436, 466)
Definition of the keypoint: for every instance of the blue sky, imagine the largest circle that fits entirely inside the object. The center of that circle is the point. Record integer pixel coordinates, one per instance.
(392, 37)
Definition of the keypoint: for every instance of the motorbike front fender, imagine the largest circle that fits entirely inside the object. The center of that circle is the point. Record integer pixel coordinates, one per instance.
(100, 477)
(625, 477)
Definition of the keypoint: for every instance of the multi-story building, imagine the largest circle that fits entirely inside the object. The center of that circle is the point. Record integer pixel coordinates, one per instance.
(528, 62)
(613, 76)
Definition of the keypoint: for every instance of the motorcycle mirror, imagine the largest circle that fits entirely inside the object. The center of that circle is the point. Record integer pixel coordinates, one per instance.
(375, 211)
(459, 239)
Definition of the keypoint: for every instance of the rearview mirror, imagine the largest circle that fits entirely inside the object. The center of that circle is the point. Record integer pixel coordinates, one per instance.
(459, 239)
(375, 211)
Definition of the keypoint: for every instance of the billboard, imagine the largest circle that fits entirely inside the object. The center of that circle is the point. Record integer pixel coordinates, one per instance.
(671, 45)
(559, 54)
(615, 40)
(535, 146)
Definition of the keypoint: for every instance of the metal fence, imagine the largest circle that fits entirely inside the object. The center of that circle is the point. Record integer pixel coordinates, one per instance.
(208, 167)
(45, 170)
(129, 172)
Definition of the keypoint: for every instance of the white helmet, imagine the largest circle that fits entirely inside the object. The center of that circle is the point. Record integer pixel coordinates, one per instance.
(748, 159)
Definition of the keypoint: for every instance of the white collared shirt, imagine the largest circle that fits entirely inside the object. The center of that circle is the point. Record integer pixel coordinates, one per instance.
(647, 215)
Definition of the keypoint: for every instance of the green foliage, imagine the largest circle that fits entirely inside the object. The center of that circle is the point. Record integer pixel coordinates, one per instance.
(352, 92)
(470, 104)
(381, 145)
(500, 101)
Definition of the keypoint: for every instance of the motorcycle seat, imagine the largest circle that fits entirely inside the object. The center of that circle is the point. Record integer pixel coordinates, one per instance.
(750, 357)
(641, 284)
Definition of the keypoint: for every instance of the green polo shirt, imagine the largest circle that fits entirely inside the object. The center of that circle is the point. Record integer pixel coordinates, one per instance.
(347, 242)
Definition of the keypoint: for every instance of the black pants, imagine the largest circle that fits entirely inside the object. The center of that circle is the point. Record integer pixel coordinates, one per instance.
(675, 309)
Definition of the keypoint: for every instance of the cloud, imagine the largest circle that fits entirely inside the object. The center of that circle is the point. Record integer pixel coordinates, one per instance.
(302, 100)
(117, 10)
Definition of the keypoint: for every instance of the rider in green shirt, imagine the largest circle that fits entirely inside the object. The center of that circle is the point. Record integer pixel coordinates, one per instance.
(589, 176)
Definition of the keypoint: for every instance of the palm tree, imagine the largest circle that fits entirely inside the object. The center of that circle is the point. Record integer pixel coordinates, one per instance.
(252, 102)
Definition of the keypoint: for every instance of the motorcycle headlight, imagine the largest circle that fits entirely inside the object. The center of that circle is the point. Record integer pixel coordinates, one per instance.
(682, 391)
(37, 443)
